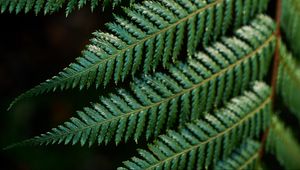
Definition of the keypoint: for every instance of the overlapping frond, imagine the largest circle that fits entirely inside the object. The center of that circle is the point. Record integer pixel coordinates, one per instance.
(201, 143)
(245, 157)
(206, 80)
(283, 145)
(290, 24)
(288, 81)
(50, 6)
(149, 34)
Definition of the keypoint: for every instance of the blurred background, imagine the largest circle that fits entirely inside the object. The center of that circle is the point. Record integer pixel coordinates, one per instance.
(32, 49)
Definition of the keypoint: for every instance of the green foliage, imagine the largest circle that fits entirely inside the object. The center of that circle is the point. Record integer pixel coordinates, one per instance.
(206, 80)
(288, 82)
(283, 145)
(50, 6)
(245, 157)
(203, 142)
(291, 24)
(149, 34)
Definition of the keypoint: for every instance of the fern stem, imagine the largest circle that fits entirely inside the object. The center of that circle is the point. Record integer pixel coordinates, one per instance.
(276, 57)
(252, 113)
(263, 142)
(274, 72)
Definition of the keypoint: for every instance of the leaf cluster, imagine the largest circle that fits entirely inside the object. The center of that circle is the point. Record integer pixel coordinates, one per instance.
(150, 34)
(189, 89)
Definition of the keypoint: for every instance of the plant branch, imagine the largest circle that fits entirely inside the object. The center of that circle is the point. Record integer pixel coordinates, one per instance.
(277, 53)
(274, 72)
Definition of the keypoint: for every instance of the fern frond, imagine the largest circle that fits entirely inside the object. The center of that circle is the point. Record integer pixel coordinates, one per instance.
(205, 81)
(151, 33)
(201, 143)
(283, 145)
(245, 157)
(290, 24)
(288, 81)
(51, 6)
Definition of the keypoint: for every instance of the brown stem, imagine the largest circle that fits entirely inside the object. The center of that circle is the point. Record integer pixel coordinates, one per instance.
(263, 142)
(274, 72)
(276, 57)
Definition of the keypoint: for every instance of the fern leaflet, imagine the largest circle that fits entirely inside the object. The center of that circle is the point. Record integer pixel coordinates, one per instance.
(51, 6)
(201, 143)
(288, 81)
(290, 24)
(206, 80)
(245, 157)
(283, 145)
(152, 32)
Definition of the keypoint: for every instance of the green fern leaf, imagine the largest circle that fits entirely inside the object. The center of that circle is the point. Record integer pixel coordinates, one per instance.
(152, 32)
(51, 6)
(201, 143)
(288, 81)
(245, 157)
(290, 24)
(189, 89)
(283, 145)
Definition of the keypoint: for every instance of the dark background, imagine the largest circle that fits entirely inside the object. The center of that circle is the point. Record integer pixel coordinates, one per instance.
(32, 49)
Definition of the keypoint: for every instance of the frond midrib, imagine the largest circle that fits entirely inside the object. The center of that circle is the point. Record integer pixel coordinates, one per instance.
(253, 157)
(139, 42)
(252, 113)
(178, 94)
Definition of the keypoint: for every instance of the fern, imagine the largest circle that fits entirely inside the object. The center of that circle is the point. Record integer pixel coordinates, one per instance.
(283, 145)
(288, 81)
(50, 6)
(245, 157)
(204, 110)
(201, 143)
(291, 24)
(189, 89)
(152, 32)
